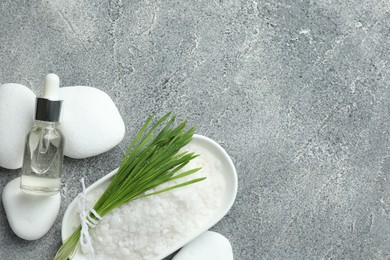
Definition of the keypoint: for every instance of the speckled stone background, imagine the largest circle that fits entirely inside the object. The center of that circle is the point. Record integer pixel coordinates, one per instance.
(297, 92)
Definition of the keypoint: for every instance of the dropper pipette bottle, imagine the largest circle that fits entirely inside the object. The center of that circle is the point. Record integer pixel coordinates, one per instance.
(43, 155)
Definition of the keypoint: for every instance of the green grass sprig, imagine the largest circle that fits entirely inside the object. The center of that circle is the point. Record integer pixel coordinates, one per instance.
(150, 161)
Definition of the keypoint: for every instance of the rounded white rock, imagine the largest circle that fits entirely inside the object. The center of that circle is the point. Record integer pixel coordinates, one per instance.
(16, 118)
(30, 217)
(208, 246)
(90, 122)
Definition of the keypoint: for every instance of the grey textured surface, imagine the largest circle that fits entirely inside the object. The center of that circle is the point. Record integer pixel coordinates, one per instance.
(297, 92)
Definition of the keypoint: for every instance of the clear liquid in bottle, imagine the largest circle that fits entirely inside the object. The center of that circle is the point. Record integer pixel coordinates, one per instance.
(42, 163)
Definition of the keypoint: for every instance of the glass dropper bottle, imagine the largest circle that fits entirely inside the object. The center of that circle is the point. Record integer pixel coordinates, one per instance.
(43, 154)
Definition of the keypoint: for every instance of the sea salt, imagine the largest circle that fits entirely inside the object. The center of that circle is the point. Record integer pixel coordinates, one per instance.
(144, 228)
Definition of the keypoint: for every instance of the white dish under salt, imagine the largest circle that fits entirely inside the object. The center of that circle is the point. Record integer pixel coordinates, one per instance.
(224, 169)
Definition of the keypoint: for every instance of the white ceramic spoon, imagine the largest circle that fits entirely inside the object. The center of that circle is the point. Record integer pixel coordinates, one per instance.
(71, 218)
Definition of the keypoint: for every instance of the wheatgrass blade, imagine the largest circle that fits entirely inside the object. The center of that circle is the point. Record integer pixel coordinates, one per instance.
(173, 187)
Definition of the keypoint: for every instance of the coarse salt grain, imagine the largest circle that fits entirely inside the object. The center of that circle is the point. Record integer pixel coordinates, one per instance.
(142, 229)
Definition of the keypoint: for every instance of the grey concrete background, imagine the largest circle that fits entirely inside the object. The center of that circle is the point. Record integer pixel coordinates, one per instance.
(297, 93)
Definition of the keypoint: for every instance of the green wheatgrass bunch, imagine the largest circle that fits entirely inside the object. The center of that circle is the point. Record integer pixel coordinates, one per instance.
(150, 160)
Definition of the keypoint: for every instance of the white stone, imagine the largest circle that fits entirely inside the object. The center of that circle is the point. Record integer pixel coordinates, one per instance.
(30, 217)
(208, 246)
(90, 122)
(17, 104)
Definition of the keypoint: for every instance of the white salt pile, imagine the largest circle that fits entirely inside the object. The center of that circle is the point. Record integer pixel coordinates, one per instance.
(144, 228)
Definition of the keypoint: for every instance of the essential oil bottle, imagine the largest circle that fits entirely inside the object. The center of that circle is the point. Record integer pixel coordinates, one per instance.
(43, 154)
